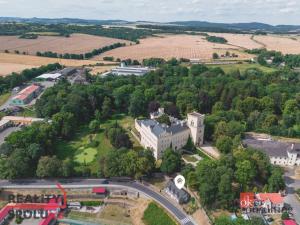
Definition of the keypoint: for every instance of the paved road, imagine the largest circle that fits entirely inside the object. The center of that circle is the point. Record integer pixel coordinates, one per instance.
(291, 199)
(5, 133)
(89, 183)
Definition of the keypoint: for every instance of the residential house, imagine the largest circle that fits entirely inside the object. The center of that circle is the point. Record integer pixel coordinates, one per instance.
(179, 195)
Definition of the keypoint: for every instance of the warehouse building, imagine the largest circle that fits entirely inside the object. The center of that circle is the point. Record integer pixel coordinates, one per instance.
(26, 95)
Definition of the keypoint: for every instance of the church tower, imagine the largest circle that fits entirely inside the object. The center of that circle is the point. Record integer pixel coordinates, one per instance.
(196, 125)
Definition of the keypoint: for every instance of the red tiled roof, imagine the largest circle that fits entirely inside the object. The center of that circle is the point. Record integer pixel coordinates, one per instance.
(275, 198)
(289, 222)
(28, 90)
(21, 97)
(4, 212)
(99, 190)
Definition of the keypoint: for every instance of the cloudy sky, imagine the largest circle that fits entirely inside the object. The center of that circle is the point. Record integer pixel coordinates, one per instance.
(268, 11)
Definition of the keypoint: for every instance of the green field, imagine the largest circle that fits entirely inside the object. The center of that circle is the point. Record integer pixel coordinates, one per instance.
(243, 67)
(4, 98)
(82, 148)
(155, 215)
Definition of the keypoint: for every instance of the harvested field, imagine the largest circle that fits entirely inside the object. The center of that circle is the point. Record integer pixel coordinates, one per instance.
(240, 40)
(77, 43)
(15, 63)
(284, 44)
(8, 68)
(179, 46)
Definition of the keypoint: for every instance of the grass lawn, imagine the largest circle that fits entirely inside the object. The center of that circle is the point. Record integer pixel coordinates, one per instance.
(189, 158)
(4, 98)
(243, 67)
(81, 150)
(155, 215)
(87, 155)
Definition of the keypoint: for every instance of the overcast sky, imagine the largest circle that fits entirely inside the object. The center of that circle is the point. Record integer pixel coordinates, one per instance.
(267, 11)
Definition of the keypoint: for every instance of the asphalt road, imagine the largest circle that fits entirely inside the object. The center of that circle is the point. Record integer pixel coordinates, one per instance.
(291, 186)
(89, 183)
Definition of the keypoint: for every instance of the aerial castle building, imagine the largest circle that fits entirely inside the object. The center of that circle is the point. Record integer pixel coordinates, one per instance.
(158, 137)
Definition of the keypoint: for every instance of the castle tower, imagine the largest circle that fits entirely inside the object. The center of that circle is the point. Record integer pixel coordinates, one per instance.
(196, 125)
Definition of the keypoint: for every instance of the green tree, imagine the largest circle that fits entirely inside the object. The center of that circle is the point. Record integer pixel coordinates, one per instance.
(171, 161)
(245, 172)
(276, 181)
(94, 126)
(49, 167)
(137, 103)
(106, 108)
(224, 144)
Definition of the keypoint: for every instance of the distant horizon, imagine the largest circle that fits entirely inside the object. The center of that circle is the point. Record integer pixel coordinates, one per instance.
(150, 21)
(271, 12)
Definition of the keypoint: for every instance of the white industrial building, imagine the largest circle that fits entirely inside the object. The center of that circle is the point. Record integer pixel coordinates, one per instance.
(124, 70)
(50, 76)
(158, 137)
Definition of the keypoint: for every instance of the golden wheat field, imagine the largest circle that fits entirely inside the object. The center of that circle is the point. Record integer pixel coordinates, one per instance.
(284, 44)
(8, 68)
(239, 40)
(77, 43)
(15, 63)
(179, 46)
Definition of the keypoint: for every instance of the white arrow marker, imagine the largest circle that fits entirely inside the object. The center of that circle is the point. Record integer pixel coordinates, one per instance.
(179, 181)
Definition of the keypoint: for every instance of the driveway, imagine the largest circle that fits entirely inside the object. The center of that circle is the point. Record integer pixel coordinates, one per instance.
(292, 185)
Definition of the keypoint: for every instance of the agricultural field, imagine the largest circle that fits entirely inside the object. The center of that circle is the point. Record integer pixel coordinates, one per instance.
(8, 68)
(240, 40)
(76, 43)
(284, 44)
(179, 46)
(15, 63)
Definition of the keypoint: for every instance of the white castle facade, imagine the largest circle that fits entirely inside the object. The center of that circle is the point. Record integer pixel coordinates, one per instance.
(158, 137)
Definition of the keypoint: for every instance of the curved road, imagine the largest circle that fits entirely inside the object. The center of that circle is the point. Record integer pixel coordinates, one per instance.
(89, 183)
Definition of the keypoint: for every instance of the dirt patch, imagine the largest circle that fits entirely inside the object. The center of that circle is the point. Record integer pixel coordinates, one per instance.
(137, 212)
(95, 70)
(201, 217)
(76, 44)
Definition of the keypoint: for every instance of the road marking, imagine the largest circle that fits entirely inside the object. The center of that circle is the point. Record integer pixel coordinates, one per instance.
(185, 221)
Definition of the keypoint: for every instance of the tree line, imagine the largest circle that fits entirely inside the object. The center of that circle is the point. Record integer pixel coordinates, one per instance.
(68, 29)
(87, 55)
(276, 58)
